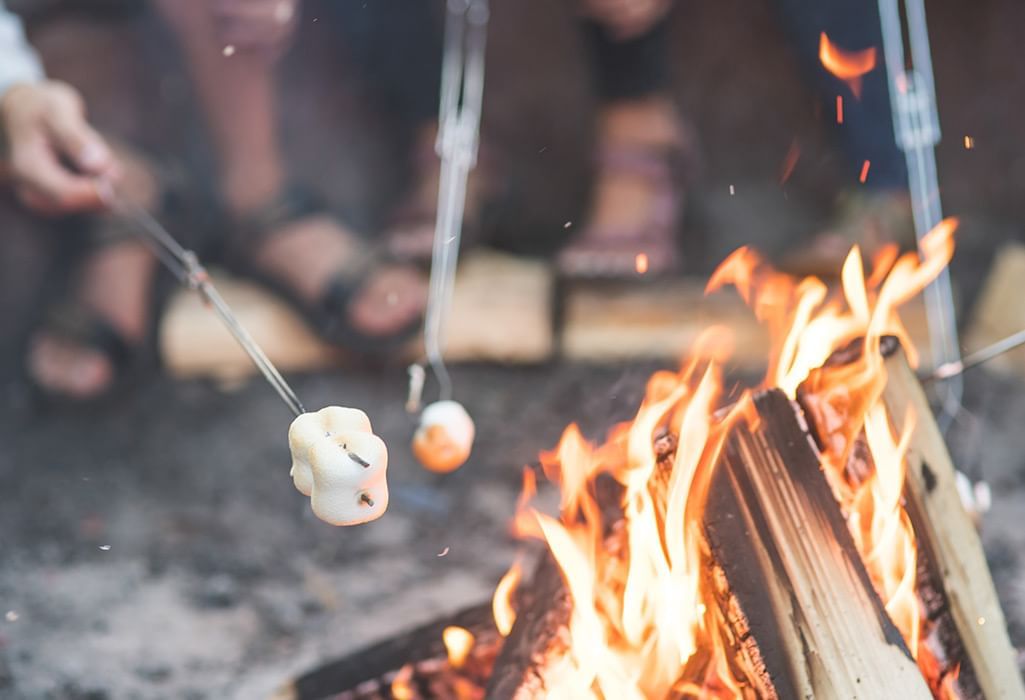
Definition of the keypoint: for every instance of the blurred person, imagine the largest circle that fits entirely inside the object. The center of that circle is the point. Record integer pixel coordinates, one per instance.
(353, 293)
(874, 207)
(59, 165)
(643, 155)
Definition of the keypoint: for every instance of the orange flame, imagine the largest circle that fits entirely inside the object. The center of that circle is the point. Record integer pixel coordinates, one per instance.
(642, 607)
(458, 643)
(848, 66)
(501, 603)
(848, 398)
(401, 685)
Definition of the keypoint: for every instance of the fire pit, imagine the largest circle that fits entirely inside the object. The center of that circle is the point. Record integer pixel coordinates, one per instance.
(804, 540)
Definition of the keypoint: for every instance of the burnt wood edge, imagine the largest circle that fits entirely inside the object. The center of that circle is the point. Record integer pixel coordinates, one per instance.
(540, 635)
(378, 660)
(794, 435)
(931, 588)
(727, 530)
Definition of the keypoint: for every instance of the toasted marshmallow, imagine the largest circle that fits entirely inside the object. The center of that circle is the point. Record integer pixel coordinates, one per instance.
(444, 439)
(340, 464)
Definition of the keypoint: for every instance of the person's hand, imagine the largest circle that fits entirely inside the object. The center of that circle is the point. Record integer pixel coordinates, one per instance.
(626, 19)
(262, 26)
(55, 159)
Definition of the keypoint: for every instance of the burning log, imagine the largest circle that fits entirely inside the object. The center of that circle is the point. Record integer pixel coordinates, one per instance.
(539, 638)
(962, 591)
(964, 649)
(824, 632)
(417, 658)
(801, 616)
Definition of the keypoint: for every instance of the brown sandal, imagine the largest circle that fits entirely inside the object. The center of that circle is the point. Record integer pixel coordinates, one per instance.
(603, 253)
(410, 232)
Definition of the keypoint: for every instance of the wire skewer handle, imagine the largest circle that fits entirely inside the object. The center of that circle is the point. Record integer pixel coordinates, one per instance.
(953, 369)
(185, 265)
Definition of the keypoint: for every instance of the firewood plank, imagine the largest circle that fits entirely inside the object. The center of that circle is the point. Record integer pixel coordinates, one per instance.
(804, 618)
(839, 641)
(501, 312)
(949, 538)
(376, 663)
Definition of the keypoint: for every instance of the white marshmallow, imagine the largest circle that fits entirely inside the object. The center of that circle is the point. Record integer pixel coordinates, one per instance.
(327, 449)
(444, 439)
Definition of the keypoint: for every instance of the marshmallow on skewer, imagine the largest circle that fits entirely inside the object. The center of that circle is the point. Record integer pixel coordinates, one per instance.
(444, 439)
(340, 464)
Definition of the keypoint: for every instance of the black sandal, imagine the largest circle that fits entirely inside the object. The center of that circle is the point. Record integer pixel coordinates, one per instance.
(329, 316)
(68, 319)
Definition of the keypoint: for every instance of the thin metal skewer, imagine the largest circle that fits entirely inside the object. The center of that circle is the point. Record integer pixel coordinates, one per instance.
(462, 88)
(917, 130)
(952, 369)
(184, 264)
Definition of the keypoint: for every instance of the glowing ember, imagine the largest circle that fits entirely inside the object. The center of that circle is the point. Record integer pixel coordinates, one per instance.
(864, 171)
(458, 644)
(641, 605)
(839, 109)
(641, 263)
(848, 66)
(401, 687)
(969, 143)
(789, 162)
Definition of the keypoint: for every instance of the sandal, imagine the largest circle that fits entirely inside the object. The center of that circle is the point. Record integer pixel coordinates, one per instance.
(87, 329)
(72, 321)
(329, 315)
(601, 252)
(410, 233)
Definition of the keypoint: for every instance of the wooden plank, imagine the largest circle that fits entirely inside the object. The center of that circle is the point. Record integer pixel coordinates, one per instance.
(660, 319)
(615, 321)
(372, 669)
(194, 343)
(837, 639)
(501, 311)
(948, 538)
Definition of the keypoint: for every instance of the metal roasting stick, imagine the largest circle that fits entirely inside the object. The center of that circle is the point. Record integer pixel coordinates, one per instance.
(184, 264)
(917, 130)
(462, 90)
(953, 369)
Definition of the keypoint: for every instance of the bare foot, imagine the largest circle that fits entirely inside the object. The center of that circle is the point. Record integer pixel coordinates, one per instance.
(637, 199)
(113, 283)
(307, 254)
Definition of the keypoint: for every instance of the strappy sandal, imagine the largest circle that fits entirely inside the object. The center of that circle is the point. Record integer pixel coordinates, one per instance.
(87, 329)
(409, 236)
(329, 315)
(70, 320)
(600, 252)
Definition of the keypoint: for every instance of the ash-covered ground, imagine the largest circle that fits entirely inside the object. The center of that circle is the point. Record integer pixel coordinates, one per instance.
(157, 548)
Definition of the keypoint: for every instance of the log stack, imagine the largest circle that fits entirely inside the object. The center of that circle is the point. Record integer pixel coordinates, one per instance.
(798, 614)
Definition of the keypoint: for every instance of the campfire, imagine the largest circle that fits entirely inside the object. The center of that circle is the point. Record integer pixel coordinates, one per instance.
(802, 538)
